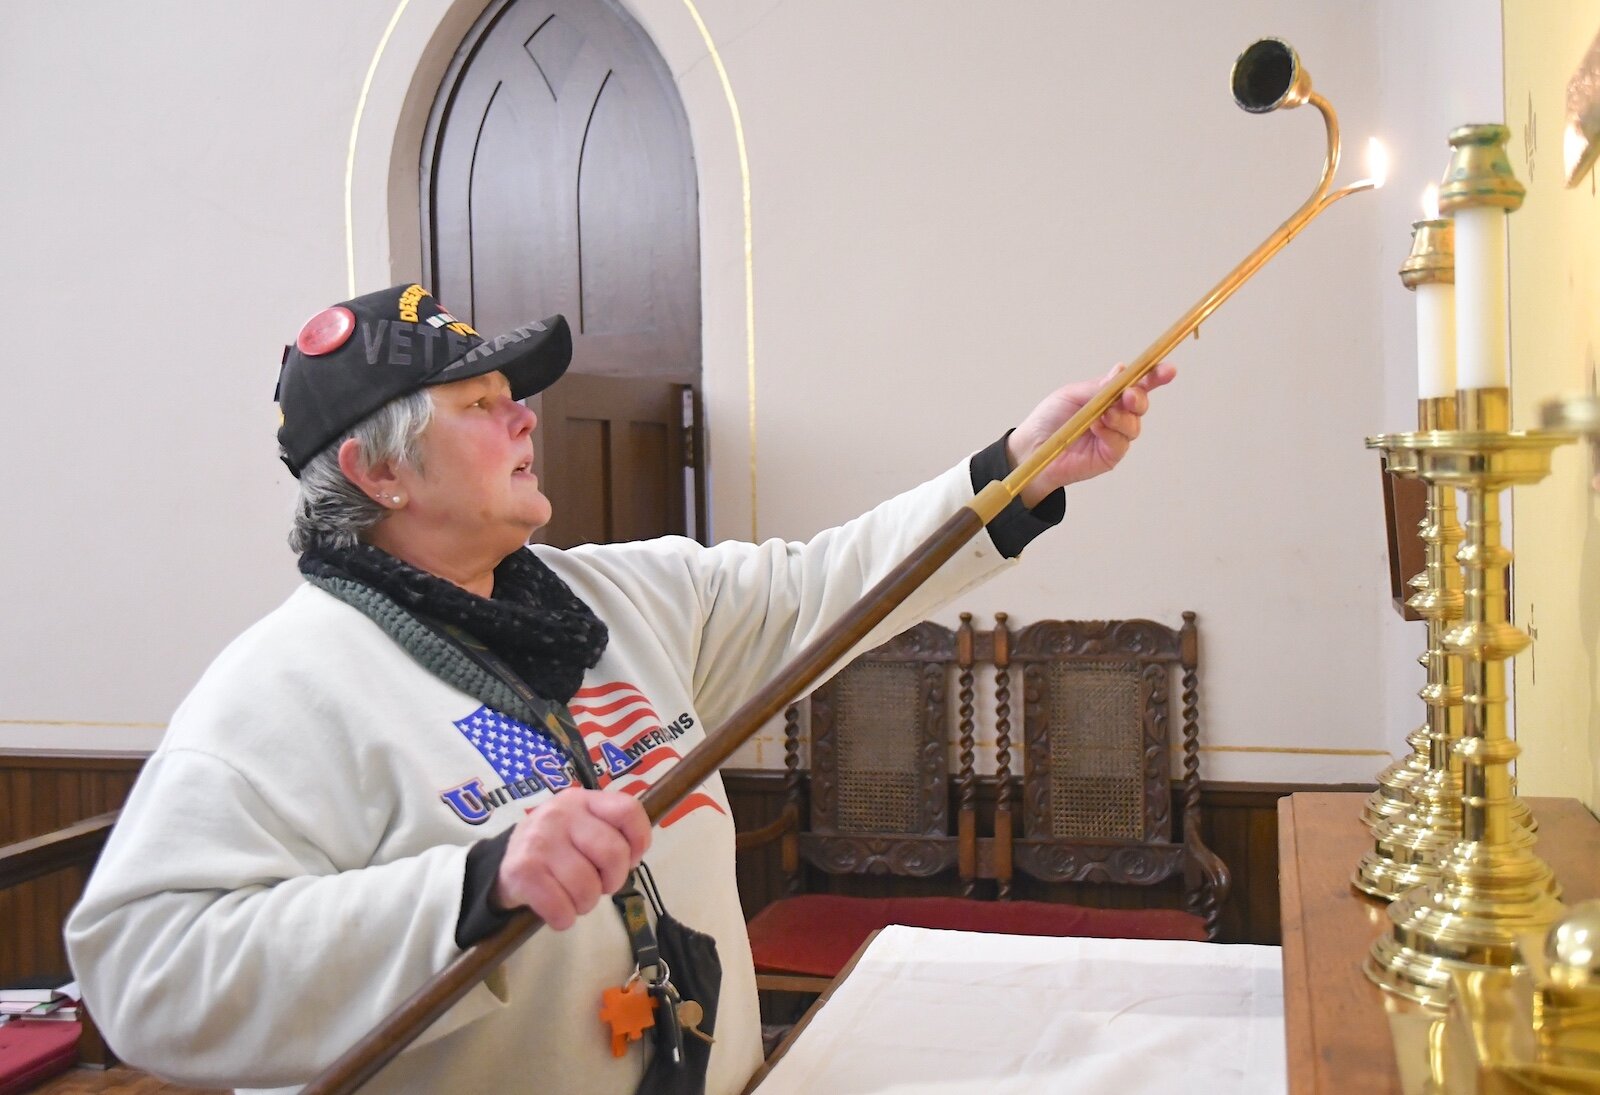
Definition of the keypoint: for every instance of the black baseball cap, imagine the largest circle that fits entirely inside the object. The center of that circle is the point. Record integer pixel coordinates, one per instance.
(352, 358)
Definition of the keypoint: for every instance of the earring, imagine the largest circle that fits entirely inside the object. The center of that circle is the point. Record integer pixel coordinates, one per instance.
(396, 499)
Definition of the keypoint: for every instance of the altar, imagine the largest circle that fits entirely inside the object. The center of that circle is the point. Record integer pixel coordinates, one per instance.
(922, 1010)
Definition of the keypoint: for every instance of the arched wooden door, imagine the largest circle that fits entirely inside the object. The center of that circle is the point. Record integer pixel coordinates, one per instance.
(557, 176)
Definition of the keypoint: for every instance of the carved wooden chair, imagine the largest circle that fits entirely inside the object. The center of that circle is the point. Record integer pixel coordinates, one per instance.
(1097, 785)
(1096, 792)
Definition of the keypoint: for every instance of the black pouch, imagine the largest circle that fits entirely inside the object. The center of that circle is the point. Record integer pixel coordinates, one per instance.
(697, 975)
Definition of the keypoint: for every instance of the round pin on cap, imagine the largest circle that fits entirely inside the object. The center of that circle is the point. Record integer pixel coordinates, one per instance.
(326, 331)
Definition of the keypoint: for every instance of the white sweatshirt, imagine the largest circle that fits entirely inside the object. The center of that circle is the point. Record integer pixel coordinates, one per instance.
(289, 866)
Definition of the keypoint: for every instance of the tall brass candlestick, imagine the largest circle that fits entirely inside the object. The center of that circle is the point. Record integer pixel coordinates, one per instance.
(1431, 263)
(1492, 888)
(1411, 841)
(1415, 813)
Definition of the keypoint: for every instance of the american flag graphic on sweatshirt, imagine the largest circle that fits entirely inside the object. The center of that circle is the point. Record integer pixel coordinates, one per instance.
(514, 749)
(628, 743)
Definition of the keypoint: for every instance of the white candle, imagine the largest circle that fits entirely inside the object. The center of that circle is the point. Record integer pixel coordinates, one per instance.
(1482, 347)
(1436, 325)
(1436, 340)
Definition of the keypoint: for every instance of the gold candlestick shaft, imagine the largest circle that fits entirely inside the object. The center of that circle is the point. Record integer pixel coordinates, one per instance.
(1415, 813)
(1393, 793)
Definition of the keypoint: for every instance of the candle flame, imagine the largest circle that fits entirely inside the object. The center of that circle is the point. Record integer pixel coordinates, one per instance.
(1430, 202)
(1377, 161)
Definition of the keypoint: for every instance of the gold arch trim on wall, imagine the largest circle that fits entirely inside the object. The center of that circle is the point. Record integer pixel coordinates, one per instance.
(744, 183)
(749, 237)
(350, 151)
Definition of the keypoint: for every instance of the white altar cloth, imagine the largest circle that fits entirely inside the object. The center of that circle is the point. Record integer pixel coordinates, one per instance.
(944, 1012)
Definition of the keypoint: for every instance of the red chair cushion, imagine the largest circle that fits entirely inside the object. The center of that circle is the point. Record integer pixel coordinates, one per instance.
(32, 1052)
(816, 934)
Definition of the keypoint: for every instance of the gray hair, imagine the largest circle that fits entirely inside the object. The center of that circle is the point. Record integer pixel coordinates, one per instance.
(331, 511)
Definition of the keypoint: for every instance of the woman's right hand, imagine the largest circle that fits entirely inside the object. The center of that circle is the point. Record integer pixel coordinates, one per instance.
(570, 852)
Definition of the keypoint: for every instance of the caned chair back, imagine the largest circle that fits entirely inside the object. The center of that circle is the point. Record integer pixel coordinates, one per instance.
(1097, 781)
(879, 768)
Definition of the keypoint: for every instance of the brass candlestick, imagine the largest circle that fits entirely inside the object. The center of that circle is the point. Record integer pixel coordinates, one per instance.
(1412, 840)
(1393, 794)
(1415, 813)
(1431, 262)
(1533, 1028)
(1491, 886)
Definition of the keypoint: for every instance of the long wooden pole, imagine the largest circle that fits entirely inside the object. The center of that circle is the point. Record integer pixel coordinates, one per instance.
(410, 1019)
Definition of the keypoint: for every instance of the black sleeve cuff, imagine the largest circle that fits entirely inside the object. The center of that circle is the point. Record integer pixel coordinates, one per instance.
(1016, 526)
(478, 918)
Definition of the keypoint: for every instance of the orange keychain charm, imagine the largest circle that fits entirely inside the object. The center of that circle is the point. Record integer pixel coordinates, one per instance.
(630, 1011)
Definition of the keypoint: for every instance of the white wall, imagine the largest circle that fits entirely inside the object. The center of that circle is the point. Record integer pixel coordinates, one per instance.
(953, 210)
(172, 209)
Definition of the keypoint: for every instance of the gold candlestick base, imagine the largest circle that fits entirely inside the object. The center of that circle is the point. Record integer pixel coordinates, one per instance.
(1535, 1027)
(1487, 896)
(1410, 847)
(1393, 794)
(1491, 887)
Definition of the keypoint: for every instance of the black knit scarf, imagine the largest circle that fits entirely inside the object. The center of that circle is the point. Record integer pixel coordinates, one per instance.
(534, 620)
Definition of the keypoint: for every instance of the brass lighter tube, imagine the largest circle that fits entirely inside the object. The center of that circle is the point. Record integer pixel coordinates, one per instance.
(1267, 76)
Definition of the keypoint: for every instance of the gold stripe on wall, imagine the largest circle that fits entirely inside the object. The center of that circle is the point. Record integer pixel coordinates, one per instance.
(749, 264)
(350, 154)
(1294, 749)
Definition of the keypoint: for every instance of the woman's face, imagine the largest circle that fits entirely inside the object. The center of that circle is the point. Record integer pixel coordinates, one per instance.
(477, 481)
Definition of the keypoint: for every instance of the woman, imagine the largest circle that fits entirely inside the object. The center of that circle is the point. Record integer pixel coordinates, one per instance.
(365, 779)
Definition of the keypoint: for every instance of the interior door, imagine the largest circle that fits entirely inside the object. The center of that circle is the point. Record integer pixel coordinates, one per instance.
(558, 176)
(617, 442)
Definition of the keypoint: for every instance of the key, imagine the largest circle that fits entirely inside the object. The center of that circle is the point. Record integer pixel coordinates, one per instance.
(690, 1014)
(669, 1032)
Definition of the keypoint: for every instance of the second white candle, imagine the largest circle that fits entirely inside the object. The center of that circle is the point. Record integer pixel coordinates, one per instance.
(1482, 339)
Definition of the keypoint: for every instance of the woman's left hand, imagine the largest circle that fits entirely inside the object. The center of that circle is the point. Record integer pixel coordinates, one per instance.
(1096, 451)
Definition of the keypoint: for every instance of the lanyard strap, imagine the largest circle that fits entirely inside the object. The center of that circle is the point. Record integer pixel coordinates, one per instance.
(552, 717)
(562, 729)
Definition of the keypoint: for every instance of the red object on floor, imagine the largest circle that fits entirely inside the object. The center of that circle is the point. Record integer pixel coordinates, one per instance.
(36, 1051)
(817, 933)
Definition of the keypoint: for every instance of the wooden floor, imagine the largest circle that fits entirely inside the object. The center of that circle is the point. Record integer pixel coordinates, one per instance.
(120, 1080)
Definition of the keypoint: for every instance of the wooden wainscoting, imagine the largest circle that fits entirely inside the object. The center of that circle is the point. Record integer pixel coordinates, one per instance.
(1239, 821)
(41, 792)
